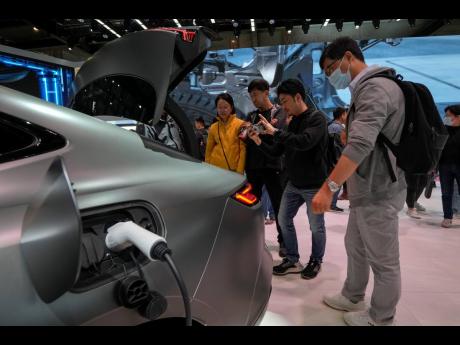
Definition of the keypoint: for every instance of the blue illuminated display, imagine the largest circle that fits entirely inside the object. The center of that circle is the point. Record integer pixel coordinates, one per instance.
(51, 78)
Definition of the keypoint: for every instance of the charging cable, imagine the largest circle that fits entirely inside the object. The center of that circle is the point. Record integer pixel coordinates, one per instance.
(125, 234)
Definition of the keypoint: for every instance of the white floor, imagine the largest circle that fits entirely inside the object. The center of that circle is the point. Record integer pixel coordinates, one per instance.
(430, 266)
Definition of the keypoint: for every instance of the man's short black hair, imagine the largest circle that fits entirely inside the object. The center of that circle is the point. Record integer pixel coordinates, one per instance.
(336, 50)
(454, 109)
(200, 120)
(291, 87)
(258, 84)
(338, 112)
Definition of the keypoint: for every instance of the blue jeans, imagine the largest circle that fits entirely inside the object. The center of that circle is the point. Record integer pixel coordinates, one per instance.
(448, 174)
(267, 204)
(291, 201)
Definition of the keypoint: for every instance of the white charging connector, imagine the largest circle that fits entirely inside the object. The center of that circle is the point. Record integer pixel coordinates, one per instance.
(125, 234)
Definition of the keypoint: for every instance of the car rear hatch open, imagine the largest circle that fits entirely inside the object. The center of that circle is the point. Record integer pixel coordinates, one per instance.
(138, 70)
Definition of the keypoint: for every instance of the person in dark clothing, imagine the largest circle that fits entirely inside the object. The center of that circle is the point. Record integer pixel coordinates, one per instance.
(304, 144)
(416, 183)
(449, 164)
(337, 127)
(261, 169)
(201, 133)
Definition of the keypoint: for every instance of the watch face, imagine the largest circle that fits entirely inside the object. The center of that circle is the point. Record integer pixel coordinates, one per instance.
(333, 186)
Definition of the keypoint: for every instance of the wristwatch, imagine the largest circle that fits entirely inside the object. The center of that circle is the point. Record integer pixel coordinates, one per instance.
(333, 187)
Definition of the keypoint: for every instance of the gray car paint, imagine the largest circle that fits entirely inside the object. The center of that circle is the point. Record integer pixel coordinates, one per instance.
(109, 165)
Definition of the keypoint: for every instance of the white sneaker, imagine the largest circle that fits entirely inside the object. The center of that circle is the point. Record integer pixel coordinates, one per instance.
(362, 318)
(412, 212)
(419, 207)
(340, 302)
(446, 223)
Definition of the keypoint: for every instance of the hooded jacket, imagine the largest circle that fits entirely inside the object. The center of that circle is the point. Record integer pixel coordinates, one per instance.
(224, 149)
(377, 105)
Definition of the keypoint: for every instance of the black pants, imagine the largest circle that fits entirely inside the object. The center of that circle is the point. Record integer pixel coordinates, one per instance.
(271, 179)
(448, 174)
(415, 186)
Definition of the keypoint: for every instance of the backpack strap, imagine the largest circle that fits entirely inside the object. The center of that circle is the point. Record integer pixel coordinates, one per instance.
(382, 140)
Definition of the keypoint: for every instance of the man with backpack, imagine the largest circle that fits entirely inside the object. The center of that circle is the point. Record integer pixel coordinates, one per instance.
(371, 240)
(391, 126)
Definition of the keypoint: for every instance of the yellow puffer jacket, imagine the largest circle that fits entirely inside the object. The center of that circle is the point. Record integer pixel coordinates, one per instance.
(235, 149)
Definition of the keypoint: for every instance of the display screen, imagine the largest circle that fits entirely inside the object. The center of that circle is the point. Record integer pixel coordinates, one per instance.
(48, 81)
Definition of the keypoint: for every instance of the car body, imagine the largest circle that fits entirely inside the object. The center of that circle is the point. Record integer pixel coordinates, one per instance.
(66, 177)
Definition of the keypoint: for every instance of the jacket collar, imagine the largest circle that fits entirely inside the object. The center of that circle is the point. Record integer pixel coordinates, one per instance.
(230, 119)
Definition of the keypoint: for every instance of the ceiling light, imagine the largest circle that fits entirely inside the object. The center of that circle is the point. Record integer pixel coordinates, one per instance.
(213, 21)
(35, 28)
(326, 22)
(398, 20)
(289, 32)
(194, 22)
(107, 27)
(253, 25)
(358, 23)
(177, 23)
(140, 24)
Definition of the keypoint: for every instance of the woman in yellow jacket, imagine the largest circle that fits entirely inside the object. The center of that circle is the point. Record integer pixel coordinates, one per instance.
(224, 149)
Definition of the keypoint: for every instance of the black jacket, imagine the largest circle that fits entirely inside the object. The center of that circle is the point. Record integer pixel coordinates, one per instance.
(255, 159)
(304, 144)
(451, 152)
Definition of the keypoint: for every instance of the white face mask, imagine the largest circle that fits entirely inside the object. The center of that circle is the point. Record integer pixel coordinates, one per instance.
(338, 79)
(447, 121)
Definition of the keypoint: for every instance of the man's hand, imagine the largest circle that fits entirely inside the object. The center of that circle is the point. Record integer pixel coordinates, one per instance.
(269, 129)
(254, 136)
(322, 200)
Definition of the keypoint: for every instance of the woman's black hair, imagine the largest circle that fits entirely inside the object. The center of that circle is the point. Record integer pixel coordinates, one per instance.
(227, 98)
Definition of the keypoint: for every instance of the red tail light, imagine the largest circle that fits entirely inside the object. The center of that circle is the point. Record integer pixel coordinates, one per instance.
(245, 196)
(187, 35)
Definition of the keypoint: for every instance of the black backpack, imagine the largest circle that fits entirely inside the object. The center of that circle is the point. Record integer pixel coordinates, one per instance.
(423, 136)
(334, 150)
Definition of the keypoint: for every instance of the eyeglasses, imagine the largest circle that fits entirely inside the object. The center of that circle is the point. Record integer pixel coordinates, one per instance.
(328, 67)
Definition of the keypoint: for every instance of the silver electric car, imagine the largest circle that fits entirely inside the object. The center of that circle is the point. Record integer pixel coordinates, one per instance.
(67, 176)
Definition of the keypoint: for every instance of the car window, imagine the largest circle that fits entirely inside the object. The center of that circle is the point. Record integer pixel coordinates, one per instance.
(22, 139)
